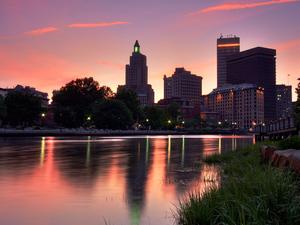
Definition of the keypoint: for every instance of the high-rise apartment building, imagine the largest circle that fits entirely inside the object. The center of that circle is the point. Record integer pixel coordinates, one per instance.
(226, 46)
(137, 76)
(283, 101)
(239, 105)
(183, 84)
(256, 66)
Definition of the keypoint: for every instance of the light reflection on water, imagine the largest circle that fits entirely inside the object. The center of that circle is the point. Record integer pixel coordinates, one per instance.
(90, 180)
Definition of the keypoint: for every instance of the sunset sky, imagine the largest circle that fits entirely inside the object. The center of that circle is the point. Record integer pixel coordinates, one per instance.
(46, 43)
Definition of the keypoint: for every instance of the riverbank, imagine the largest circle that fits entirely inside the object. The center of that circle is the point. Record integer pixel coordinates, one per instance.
(252, 192)
(28, 132)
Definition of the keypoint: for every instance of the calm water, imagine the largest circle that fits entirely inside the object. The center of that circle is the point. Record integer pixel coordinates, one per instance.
(94, 181)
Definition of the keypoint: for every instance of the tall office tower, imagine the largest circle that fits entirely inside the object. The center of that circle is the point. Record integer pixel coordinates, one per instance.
(240, 105)
(137, 76)
(256, 66)
(283, 101)
(226, 46)
(183, 84)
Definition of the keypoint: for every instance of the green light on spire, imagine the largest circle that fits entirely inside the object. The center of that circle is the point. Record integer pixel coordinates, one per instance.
(136, 48)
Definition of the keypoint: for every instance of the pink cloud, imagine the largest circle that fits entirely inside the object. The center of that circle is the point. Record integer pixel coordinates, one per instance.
(243, 5)
(94, 25)
(41, 31)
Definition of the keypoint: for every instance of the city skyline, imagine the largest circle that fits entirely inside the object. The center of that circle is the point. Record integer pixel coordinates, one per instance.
(93, 39)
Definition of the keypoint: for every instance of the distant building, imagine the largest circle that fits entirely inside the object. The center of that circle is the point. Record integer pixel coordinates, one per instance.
(186, 109)
(240, 105)
(3, 92)
(137, 76)
(26, 89)
(226, 46)
(256, 66)
(184, 85)
(283, 101)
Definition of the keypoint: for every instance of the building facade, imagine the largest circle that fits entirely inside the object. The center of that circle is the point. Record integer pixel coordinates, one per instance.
(226, 46)
(239, 105)
(283, 101)
(184, 85)
(256, 66)
(137, 76)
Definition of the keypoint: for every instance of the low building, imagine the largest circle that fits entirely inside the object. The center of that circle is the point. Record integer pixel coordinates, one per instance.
(186, 108)
(283, 101)
(26, 89)
(240, 105)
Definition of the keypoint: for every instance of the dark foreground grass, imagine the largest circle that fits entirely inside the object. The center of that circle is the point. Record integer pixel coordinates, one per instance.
(251, 194)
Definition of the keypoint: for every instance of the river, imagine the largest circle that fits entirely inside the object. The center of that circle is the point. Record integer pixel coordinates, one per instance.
(135, 180)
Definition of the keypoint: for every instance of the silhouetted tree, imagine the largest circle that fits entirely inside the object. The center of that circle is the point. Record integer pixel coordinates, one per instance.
(130, 99)
(23, 108)
(173, 111)
(155, 117)
(111, 114)
(2, 110)
(72, 103)
(297, 106)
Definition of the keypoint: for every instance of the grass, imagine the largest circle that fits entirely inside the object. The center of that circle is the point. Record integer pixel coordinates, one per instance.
(289, 143)
(251, 194)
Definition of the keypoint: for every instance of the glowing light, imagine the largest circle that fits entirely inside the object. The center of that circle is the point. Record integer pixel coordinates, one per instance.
(89, 118)
(43, 115)
(169, 121)
(228, 45)
(136, 49)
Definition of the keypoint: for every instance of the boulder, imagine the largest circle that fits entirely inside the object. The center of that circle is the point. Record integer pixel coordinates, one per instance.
(267, 152)
(294, 161)
(280, 158)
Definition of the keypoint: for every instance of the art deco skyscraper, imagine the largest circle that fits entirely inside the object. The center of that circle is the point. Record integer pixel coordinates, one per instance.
(137, 76)
(226, 46)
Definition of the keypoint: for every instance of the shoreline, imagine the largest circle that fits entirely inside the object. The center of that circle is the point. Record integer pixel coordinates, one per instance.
(83, 132)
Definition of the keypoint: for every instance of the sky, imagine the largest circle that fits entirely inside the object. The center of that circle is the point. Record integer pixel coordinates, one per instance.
(47, 43)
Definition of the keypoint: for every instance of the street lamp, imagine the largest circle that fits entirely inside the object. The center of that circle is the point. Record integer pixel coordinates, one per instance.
(43, 115)
(89, 118)
(147, 120)
(169, 121)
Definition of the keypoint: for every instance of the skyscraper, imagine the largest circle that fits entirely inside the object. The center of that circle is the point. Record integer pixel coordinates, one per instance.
(137, 76)
(226, 46)
(183, 84)
(283, 101)
(256, 66)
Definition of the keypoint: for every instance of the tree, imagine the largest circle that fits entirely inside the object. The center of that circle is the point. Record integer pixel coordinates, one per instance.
(130, 99)
(2, 109)
(23, 108)
(111, 114)
(173, 111)
(72, 103)
(297, 106)
(155, 117)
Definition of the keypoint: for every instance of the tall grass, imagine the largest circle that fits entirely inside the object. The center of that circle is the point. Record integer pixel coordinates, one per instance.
(251, 194)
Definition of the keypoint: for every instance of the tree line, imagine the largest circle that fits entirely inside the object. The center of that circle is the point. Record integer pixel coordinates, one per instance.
(84, 103)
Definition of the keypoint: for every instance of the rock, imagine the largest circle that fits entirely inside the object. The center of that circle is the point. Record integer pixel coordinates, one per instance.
(267, 152)
(294, 161)
(280, 158)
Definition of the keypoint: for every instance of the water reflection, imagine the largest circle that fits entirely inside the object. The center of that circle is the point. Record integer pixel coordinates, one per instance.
(88, 180)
